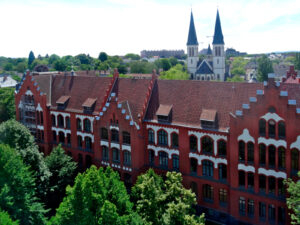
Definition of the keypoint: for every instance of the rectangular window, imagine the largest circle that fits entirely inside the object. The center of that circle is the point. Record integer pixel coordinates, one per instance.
(151, 136)
(242, 178)
(281, 214)
(54, 136)
(127, 158)
(222, 171)
(262, 154)
(250, 180)
(208, 168)
(250, 207)
(272, 213)
(250, 147)
(104, 133)
(262, 210)
(126, 138)
(105, 155)
(223, 195)
(163, 159)
(151, 157)
(208, 192)
(116, 155)
(242, 205)
(272, 184)
(175, 161)
(262, 183)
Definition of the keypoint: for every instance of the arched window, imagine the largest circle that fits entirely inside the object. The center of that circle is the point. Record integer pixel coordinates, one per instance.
(250, 149)
(295, 159)
(151, 157)
(151, 136)
(193, 143)
(281, 130)
(79, 141)
(262, 183)
(208, 168)
(104, 133)
(162, 137)
(272, 152)
(241, 178)
(175, 162)
(126, 138)
(114, 135)
(222, 171)
(262, 127)
(250, 177)
(127, 158)
(207, 145)
(116, 155)
(222, 148)
(174, 140)
(60, 121)
(194, 165)
(87, 125)
(163, 159)
(68, 125)
(262, 154)
(241, 151)
(208, 192)
(223, 195)
(105, 155)
(61, 137)
(272, 184)
(53, 121)
(88, 143)
(78, 122)
(272, 128)
(281, 157)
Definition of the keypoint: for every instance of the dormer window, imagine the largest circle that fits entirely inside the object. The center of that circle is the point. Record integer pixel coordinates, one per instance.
(164, 113)
(208, 118)
(62, 102)
(89, 105)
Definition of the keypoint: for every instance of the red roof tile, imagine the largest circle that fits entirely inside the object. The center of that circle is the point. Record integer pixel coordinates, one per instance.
(164, 110)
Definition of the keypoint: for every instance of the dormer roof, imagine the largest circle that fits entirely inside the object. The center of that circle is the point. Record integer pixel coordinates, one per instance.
(164, 110)
(62, 100)
(208, 115)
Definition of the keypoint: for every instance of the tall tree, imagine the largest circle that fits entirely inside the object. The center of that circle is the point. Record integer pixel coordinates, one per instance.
(7, 104)
(31, 58)
(6, 220)
(264, 68)
(165, 64)
(17, 189)
(102, 56)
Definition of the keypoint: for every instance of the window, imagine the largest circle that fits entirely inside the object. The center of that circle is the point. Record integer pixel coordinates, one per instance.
(272, 184)
(105, 155)
(87, 125)
(69, 139)
(207, 145)
(175, 162)
(208, 192)
(151, 136)
(127, 158)
(163, 159)
(281, 157)
(162, 137)
(174, 140)
(193, 143)
(54, 136)
(222, 171)
(60, 121)
(281, 190)
(61, 137)
(126, 138)
(53, 120)
(241, 151)
(241, 178)
(281, 215)
(78, 122)
(272, 129)
(262, 127)
(250, 207)
(88, 143)
(281, 130)
(194, 188)
(272, 152)
(79, 141)
(222, 148)
(116, 155)
(250, 149)
(223, 195)
(194, 165)
(295, 159)
(68, 122)
(151, 157)
(242, 205)
(262, 210)
(262, 182)
(42, 118)
(114, 135)
(250, 177)
(104, 133)
(208, 168)
(262, 154)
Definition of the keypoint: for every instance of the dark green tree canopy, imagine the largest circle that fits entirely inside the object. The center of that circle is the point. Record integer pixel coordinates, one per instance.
(6, 220)
(264, 68)
(7, 104)
(31, 58)
(102, 56)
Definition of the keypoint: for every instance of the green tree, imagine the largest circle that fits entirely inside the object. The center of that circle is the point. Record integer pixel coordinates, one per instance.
(83, 58)
(165, 64)
(21, 67)
(132, 56)
(122, 68)
(6, 220)
(164, 202)
(31, 58)
(60, 65)
(102, 56)
(173, 61)
(8, 67)
(7, 104)
(297, 61)
(293, 201)
(53, 58)
(17, 189)
(96, 193)
(264, 68)
(235, 78)
(238, 66)
(175, 73)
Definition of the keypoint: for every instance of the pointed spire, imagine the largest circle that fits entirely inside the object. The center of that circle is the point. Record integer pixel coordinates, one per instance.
(192, 38)
(218, 36)
(209, 52)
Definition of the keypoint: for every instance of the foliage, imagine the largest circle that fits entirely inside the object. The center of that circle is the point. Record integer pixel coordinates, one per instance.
(8, 67)
(31, 58)
(297, 61)
(102, 56)
(165, 64)
(164, 202)
(293, 201)
(83, 58)
(17, 189)
(132, 56)
(96, 193)
(175, 73)
(238, 66)
(6, 220)
(141, 67)
(235, 78)
(60, 65)
(7, 104)
(264, 68)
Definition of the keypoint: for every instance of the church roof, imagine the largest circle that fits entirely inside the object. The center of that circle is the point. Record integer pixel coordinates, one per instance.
(209, 52)
(218, 35)
(192, 38)
(204, 68)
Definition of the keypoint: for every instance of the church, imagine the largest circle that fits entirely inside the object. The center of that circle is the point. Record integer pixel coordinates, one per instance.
(213, 66)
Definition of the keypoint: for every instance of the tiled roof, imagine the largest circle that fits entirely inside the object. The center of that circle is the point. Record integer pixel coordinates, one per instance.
(208, 115)
(204, 68)
(164, 110)
(192, 38)
(218, 36)
(293, 90)
(63, 99)
(89, 102)
(209, 52)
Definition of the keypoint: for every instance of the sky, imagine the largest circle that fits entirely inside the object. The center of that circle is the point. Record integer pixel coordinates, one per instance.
(117, 27)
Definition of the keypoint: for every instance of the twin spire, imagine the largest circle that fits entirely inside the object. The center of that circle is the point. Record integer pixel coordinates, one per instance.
(192, 38)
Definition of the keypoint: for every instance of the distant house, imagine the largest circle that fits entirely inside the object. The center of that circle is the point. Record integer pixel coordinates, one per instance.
(7, 81)
(280, 70)
(291, 76)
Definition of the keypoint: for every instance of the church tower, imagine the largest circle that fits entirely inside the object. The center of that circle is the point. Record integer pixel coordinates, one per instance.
(218, 51)
(192, 49)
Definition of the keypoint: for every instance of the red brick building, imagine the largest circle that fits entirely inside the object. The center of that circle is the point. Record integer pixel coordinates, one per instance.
(234, 143)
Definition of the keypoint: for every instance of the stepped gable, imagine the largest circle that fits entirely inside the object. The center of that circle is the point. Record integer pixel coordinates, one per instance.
(190, 98)
(293, 90)
(133, 91)
(79, 88)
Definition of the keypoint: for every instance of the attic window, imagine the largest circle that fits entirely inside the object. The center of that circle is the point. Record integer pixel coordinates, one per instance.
(62, 101)
(208, 118)
(164, 113)
(89, 104)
